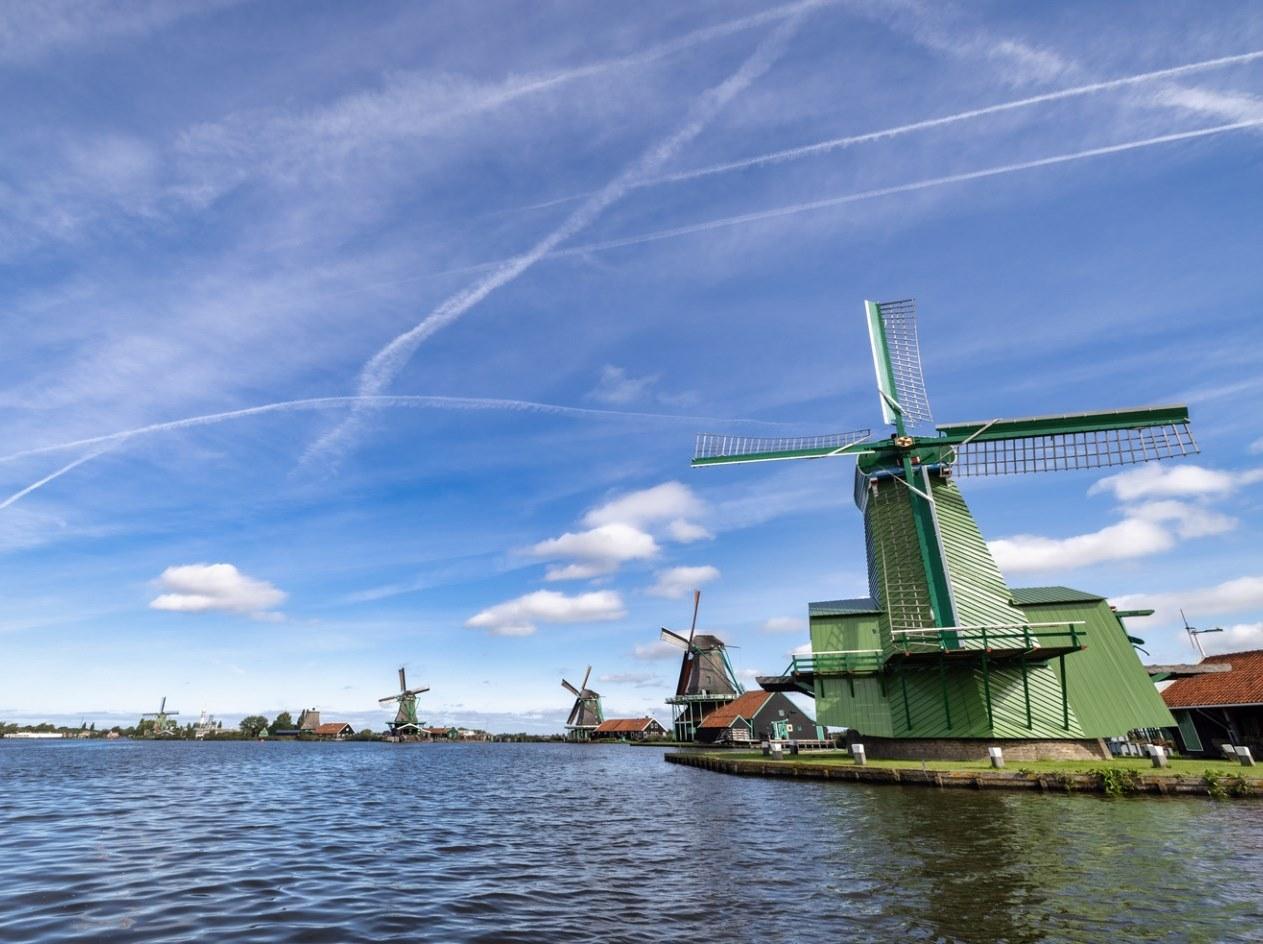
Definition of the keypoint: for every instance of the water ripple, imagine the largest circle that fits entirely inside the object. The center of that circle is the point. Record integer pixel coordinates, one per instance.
(277, 843)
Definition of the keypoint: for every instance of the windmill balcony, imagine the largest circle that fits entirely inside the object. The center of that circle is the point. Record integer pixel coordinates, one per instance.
(1030, 641)
(839, 662)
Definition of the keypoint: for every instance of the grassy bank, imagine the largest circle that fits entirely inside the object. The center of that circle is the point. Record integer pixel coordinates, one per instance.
(1180, 767)
(1115, 777)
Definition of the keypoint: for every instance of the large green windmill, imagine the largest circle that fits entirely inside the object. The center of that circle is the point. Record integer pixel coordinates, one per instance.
(943, 648)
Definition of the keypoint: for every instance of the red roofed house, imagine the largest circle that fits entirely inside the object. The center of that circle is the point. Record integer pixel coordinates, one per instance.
(1220, 707)
(333, 729)
(629, 729)
(755, 716)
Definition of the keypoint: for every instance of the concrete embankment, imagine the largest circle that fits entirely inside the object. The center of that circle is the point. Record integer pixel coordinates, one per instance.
(1102, 780)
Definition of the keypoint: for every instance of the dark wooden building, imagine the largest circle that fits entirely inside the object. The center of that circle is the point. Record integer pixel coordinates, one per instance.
(754, 716)
(1220, 707)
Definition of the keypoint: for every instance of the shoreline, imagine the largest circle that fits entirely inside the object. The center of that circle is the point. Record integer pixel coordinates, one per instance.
(1128, 781)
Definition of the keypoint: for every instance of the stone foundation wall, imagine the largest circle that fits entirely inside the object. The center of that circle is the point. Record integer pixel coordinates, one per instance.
(976, 748)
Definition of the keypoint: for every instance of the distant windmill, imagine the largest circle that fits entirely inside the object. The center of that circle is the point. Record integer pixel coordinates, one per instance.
(405, 722)
(1194, 632)
(706, 681)
(586, 713)
(160, 718)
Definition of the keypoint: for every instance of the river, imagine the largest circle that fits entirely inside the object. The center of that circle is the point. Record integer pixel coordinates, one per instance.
(289, 842)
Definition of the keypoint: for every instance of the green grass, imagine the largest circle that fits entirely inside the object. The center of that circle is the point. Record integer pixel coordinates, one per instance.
(1190, 768)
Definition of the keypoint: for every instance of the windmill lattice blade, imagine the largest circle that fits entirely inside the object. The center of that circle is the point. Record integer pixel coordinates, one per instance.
(993, 453)
(713, 448)
(570, 688)
(894, 339)
(403, 681)
(586, 675)
(674, 639)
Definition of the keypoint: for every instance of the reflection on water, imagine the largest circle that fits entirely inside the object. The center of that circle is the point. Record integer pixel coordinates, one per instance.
(505, 842)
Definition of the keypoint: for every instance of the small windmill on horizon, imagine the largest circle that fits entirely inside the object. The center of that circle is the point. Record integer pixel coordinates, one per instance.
(160, 718)
(586, 713)
(405, 723)
(706, 680)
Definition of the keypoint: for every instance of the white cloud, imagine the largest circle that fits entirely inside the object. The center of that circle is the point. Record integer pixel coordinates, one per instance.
(686, 532)
(639, 679)
(597, 551)
(678, 581)
(1190, 521)
(1238, 595)
(666, 502)
(617, 388)
(803, 650)
(655, 651)
(1183, 480)
(205, 588)
(518, 617)
(785, 624)
(1256, 447)
(1240, 636)
(1133, 537)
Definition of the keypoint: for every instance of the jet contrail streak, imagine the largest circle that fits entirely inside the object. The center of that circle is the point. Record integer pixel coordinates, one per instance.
(415, 401)
(382, 368)
(22, 493)
(832, 144)
(827, 202)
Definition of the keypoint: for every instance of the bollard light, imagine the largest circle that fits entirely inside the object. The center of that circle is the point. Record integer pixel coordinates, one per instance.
(997, 757)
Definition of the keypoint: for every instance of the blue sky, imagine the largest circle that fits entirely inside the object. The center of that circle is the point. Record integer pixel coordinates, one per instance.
(662, 218)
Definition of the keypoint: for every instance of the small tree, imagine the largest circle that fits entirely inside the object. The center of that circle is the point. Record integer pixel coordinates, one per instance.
(283, 722)
(251, 725)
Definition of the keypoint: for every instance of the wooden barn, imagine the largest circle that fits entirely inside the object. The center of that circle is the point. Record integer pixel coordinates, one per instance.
(1220, 707)
(754, 716)
(336, 730)
(629, 729)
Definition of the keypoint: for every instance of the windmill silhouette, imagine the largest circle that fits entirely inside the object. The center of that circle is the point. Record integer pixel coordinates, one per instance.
(942, 647)
(160, 728)
(586, 713)
(405, 723)
(706, 680)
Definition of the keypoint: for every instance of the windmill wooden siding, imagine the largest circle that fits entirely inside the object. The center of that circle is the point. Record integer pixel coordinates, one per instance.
(1104, 696)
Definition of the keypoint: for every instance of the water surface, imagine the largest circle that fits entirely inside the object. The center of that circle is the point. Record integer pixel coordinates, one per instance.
(287, 842)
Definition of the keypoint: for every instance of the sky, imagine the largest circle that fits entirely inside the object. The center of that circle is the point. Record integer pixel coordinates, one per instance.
(339, 337)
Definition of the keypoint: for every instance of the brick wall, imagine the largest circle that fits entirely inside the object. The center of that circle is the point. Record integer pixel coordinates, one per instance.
(976, 749)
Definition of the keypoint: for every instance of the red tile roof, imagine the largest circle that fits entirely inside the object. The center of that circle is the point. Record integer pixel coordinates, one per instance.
(1241, 686)
(623, 725)
(332, 727)
(743, 706)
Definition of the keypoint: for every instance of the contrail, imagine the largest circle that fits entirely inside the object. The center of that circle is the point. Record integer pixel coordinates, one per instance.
(22, 493)
(833, 144)
(344, 402)
(796, 208)
(386, 363)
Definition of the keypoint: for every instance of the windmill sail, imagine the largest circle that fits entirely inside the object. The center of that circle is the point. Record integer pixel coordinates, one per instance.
(892, 333)
(713, 447)
(1069, 441)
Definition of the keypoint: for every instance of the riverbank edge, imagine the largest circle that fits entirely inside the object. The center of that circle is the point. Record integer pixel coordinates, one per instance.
(1057, 782)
